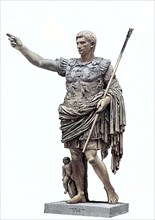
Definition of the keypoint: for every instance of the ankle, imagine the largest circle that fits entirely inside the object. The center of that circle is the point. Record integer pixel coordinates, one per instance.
(109, 188)
(81, 193)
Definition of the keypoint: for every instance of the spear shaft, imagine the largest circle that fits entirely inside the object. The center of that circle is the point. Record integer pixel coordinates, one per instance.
(108, 85)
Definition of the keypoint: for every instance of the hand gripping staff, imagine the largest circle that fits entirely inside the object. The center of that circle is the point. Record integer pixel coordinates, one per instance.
(112, 76)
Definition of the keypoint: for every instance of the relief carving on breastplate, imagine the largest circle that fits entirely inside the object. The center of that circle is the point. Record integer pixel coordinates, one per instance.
(82, 82)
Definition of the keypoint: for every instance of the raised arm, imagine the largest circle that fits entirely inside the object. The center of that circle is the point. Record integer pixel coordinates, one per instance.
(32, 57)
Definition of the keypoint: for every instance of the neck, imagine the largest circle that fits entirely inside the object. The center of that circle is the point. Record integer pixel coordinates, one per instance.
(87, 58)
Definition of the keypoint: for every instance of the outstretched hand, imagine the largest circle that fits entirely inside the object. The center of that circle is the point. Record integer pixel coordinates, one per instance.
(14, 41)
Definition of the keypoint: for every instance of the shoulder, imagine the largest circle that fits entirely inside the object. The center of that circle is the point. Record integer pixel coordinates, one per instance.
(61, 66)
(72, 62)
(63, 62)
(103, 63)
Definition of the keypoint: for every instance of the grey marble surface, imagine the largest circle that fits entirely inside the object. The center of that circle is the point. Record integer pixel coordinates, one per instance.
(97, 209)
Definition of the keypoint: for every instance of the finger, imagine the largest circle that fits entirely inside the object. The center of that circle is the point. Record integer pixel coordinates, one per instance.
(13, 44)
(9, 35)
(12, 40)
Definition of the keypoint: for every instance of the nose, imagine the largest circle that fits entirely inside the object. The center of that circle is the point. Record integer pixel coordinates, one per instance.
(78, 45)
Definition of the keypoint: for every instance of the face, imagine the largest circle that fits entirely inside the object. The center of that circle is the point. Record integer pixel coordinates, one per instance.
(66, 161)
(84, 46)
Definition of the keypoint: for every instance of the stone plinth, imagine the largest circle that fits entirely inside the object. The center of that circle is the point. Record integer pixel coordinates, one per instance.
(96, 209)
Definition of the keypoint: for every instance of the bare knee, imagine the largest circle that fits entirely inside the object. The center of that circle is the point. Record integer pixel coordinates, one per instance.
(92, 160)
(91, 157)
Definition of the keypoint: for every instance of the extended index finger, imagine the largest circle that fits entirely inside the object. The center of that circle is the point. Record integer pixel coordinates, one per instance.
(9, 35)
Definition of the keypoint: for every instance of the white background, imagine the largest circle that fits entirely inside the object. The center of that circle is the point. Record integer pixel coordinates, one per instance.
(31, 148)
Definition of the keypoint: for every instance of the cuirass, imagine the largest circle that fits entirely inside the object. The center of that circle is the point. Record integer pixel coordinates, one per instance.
(80, 72)
(83, 81)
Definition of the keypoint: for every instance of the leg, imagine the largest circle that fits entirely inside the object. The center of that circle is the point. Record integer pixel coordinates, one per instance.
(65, 184)
(78, 174)
(101, 170)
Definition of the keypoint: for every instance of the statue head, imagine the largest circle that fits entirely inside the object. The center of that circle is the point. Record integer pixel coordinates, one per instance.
(89, 35)
(66, 160)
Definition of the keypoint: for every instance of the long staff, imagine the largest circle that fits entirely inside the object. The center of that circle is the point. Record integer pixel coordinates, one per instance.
(112, 76)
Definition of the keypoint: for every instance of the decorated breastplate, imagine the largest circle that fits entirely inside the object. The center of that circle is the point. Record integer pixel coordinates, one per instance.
(88, 72)
(84, 80)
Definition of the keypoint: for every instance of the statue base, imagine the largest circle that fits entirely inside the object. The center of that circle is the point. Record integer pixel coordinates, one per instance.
(91, 208)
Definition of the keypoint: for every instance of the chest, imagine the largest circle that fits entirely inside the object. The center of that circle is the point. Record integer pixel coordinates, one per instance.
(85, 73)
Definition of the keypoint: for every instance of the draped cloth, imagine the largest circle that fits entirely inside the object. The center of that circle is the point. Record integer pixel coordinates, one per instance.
(76, 123)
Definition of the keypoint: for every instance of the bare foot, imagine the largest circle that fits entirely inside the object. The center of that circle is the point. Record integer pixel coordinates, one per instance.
(112, 196)
(78, 198)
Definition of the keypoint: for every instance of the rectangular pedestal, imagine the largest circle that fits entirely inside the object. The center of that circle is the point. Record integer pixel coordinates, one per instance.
(97, 209)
